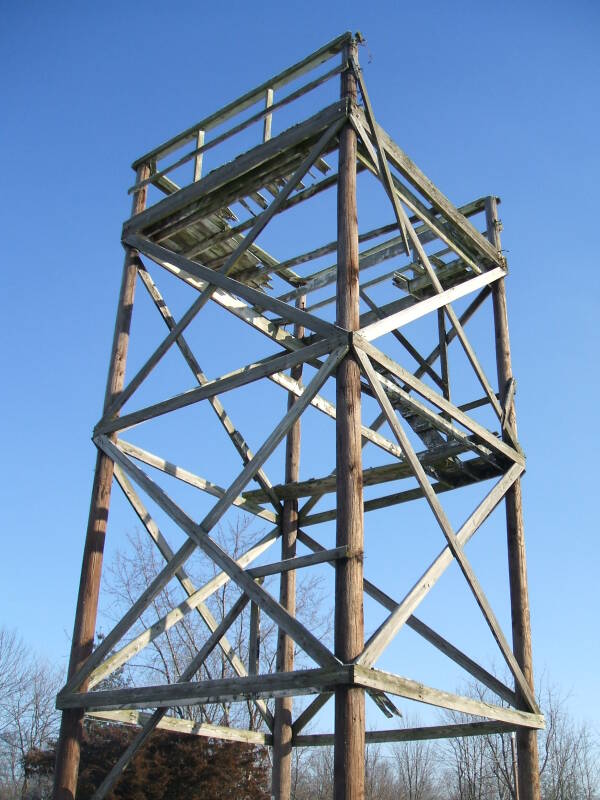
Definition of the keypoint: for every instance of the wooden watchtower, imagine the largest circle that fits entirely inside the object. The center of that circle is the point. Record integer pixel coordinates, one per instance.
(342, 326)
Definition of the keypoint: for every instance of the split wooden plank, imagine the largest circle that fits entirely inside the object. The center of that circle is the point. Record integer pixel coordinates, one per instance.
(254, 642)
(404, 687)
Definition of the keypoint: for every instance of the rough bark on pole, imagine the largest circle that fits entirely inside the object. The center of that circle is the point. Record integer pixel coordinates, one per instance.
(84, 629)
(281, 783)
(349, 748)
(527, 748)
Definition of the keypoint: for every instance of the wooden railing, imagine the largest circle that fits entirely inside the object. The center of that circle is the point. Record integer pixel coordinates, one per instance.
(264, 94)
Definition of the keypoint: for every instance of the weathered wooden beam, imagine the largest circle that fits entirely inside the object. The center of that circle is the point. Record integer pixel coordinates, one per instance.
(215, 280)
(281, 776)
(474, 471)
(179, 206)
(227, 690)
(185, 582)
(192, 480)
(423, 733)
(404, 610)
(198, 533)
(298, 562)
(188, 726)
(429, 394)
(372, 476)
(194, 600)
(265, 114)
(132, 748)
(408, 169)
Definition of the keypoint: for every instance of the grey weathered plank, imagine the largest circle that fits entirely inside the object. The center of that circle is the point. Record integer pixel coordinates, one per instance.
(188, 726)
(224, 690)
(298, 562)
(423, 733)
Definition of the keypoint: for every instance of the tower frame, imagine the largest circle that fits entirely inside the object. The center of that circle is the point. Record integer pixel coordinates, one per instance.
(189, 235)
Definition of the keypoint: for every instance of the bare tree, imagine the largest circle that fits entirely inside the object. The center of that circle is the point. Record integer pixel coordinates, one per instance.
(569, 763)
(134, 568)
(28, 718)
(380, 782)
(481, 767)
(416, 767)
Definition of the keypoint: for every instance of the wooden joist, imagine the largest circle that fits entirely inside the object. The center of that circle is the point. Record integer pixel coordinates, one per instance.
(371, 476)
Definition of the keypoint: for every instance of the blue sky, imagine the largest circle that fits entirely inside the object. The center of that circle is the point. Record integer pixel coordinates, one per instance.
(486, 98)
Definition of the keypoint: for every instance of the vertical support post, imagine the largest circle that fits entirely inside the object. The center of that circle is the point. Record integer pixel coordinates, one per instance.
(444, 356)
(199, 156)
(254, 642)
(69, 742)
(349, 739)
(269, 117)
(281, 783)
(527, 749)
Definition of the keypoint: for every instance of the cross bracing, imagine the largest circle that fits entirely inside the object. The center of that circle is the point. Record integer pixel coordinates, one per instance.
(429, 266)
